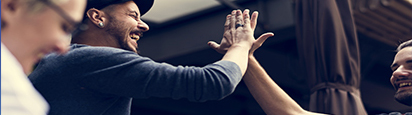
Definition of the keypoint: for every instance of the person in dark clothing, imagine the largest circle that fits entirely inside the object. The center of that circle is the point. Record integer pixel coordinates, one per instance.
(102, 72)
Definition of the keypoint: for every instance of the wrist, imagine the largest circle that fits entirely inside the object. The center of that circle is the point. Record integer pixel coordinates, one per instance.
(242, 45)
(251, 56)
(251, 53)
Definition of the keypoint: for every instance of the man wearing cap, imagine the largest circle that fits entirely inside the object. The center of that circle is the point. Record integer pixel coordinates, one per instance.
(102, 72)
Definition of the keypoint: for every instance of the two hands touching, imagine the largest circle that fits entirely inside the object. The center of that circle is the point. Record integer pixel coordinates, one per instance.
(238, 45)
(239, 31)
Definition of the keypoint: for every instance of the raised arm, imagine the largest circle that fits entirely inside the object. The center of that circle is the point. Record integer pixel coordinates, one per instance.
(266, 92)
(240, 37)
(271, 98)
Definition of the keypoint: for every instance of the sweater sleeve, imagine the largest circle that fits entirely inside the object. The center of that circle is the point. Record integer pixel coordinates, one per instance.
(124, 73)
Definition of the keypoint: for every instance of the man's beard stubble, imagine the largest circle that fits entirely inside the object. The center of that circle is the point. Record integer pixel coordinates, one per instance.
(404, 97)
(118, 30)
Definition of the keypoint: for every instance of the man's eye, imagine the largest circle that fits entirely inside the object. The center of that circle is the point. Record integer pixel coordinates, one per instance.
(134, 16)
(394, 69)
(66, 28)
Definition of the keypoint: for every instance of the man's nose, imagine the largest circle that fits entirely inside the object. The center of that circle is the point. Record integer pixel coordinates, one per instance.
(143, 26)
(401, 72)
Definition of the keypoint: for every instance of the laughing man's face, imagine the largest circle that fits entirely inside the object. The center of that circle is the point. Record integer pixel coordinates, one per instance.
(402, 76)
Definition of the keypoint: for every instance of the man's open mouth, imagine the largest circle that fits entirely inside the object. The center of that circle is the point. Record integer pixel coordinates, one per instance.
(134, 36)
(406, 84)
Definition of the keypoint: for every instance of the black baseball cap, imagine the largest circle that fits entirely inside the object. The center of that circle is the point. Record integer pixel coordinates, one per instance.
(144, 5)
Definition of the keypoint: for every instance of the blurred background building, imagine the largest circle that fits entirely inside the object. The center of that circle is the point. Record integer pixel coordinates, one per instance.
(180, 30)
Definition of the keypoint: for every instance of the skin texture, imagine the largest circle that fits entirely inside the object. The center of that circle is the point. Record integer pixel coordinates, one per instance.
(231, 31)
(126, 21)
(402, 74)
(44, 31)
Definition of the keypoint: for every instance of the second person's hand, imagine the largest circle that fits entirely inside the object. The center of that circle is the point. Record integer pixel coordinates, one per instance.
(235, 31)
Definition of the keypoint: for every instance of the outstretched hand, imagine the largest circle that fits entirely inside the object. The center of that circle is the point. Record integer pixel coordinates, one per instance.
(234, 28)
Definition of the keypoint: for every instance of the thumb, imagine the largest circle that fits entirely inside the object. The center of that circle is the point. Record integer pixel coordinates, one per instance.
(262, 38)
(213, 45)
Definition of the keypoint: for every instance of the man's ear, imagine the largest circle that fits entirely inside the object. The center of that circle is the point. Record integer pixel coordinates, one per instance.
(8, 9)
(96, 17)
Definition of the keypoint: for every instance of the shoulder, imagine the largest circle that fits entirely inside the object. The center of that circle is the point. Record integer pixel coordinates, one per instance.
(91, 54)
(95, 50)
(85, 51)
(10, 65)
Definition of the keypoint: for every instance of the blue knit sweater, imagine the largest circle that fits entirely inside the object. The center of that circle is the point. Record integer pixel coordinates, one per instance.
(102, 80)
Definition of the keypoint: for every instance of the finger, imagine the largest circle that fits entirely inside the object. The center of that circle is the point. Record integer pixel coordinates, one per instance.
(246, 17)
(232, 20)
(213, 45)
(239, 17)
(253, 20)
(262, 38)
(227, 22)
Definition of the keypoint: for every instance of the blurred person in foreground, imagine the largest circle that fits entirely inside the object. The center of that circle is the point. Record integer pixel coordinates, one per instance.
(31, 29)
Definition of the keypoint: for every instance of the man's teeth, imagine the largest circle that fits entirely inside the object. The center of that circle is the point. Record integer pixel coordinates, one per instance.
(133, 36)
(405, 84)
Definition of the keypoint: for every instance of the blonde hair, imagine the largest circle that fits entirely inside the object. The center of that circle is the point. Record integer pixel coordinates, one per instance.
(35, 6)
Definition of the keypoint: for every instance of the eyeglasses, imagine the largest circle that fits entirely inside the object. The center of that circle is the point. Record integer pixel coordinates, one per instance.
(76, 26)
